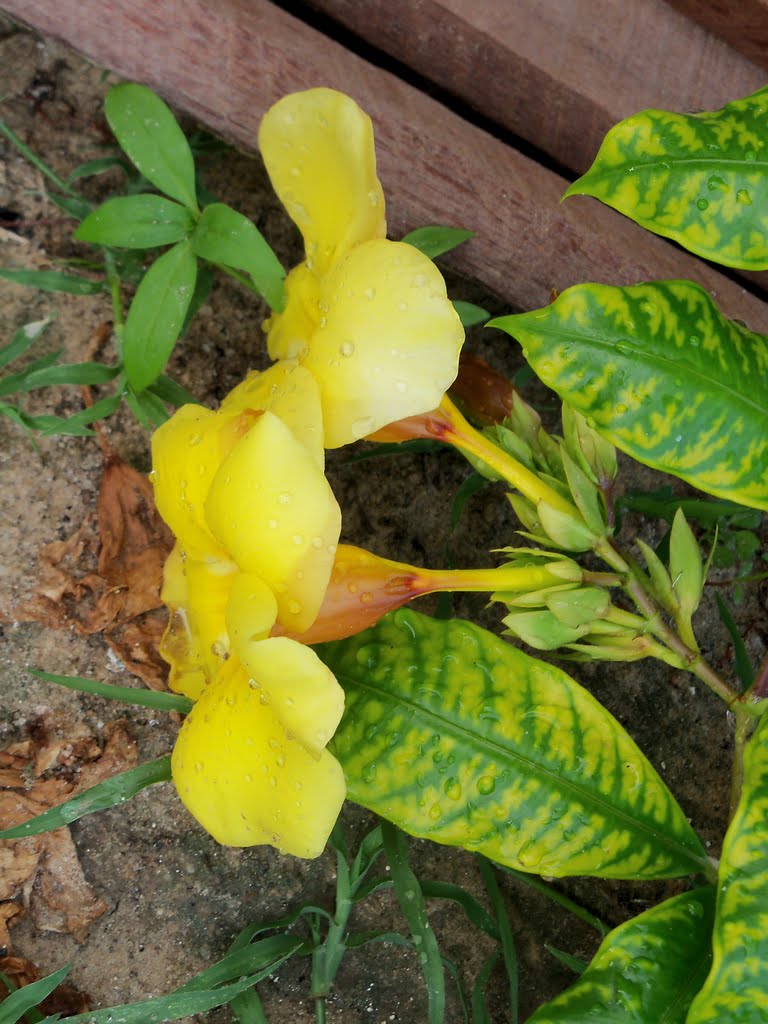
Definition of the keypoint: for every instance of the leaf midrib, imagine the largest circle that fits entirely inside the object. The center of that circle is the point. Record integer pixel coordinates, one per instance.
(641, 164)
(495, 747)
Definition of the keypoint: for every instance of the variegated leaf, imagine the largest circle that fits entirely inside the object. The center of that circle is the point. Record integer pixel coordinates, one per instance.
(646, 971)
(701, 179)
(662, 374)
(459, 737)
(736, 990)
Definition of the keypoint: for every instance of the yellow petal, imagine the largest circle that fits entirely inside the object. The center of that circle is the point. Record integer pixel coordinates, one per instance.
(251, 611)
(390, 345)
(302, 691)
(288, 333)
(273, 510)
(245, 780)
(186, 454)
(318, 149)
(292, 394)
(196, 640)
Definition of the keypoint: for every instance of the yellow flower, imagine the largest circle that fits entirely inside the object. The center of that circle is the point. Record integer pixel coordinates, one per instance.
(257, 524)
(368, 317)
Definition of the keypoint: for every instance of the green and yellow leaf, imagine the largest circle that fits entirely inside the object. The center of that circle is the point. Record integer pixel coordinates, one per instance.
(736, 990)
(459, 737)
(701, 179)
(646, 971)
(663, 375)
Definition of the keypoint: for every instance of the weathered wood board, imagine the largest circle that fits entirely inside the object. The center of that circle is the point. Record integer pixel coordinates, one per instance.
(559, 73)
(226, 63)
(741, 23)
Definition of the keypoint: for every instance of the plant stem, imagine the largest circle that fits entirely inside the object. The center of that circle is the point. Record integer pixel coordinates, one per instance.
(113, 280)
(690, 659)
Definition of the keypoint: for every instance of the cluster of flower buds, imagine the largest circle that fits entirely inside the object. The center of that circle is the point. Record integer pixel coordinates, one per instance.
(577, 614)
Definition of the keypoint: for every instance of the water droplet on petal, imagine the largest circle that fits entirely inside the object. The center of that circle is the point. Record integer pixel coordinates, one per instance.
(347, 349)
(284, 498)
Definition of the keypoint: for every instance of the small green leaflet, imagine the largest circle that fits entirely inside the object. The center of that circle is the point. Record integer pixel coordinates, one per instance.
(227, 237)
(646, 971)
(62, 373)
(663, 375)
(456, 736)
(434, 240)
(157, 314)
(736, 990)
(136, 222)
(700, 179)
(53, 281)
(149, 133)
(112, 791)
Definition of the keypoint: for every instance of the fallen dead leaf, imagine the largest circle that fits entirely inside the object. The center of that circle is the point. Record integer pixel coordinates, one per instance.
(41, 874)
(65, 999)
(106, 577)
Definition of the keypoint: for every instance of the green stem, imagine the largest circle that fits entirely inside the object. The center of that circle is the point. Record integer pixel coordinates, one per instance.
(35, 160)
(113, 280)
(242, 278)
(689, 659)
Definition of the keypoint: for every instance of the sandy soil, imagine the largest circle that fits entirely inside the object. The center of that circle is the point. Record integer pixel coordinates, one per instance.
(175, 899)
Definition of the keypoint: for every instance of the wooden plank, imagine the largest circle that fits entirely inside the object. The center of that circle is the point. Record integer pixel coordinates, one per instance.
(225, 64)
(559, 73)
(743, 24)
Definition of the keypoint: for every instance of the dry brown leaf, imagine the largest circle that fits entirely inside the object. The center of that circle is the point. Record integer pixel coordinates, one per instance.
(65, 999)
(42, 874)
(106, 578)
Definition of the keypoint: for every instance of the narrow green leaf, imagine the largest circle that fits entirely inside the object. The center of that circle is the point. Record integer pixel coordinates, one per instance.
(663, 375)
(745, 670)
(737, 986)
(23, 999)
(97, 166)
(73, 206)
(136, 222)
(22, 340)
(701, 179)
(53, 281)
(112, 791)
(128, 694)
(434, 240)
(227, 237)
(63, 373)
(247, 959)
(508, 952)
(411, 900)
(170, 1007)
(149, 133)
(573, 963)
(459, 737)
(470, 314)
(168, 390)
(646, 971)
(148, 409)
(77, 425)
(475, 913)
(203, 283)
(471, 485)
(480, 1013)
(157, 313)
(247, 1009)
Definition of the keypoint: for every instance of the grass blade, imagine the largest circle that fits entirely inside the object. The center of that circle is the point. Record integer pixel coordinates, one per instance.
(411, 900)
(112, 791)
(129, 694)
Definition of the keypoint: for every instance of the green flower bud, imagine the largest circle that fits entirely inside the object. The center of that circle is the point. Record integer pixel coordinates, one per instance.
(542, 629)
(595, 455)
(579, 607)
(585, 494)
(566, 530)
